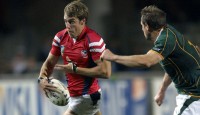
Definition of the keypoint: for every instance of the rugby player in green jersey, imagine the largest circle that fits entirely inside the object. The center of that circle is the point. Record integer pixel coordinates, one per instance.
(177, 56)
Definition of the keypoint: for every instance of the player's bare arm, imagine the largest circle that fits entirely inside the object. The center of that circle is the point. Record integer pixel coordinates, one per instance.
(159, 97)
(48, 65)
(46, 71)
(102, 70)
(146, 60)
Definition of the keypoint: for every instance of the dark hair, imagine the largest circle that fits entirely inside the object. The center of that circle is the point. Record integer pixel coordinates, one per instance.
(154, 17)
(77, 9)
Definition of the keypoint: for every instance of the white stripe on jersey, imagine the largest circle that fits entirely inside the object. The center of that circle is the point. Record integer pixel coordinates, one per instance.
(98, 50)
(96, 43)
(57, 39)
(55, 44)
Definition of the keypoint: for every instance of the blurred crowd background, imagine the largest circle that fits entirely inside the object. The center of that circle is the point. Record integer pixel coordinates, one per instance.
(27, 28)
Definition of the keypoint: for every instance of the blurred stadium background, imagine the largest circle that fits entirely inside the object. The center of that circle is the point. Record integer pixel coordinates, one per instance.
(27, 28)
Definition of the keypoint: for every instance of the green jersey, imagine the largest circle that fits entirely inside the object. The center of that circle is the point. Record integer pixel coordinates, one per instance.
(181, 60)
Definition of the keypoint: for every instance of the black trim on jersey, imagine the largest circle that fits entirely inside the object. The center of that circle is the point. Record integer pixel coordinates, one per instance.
(88, 80)
(88, 38)
(91, 63)
(87, 84)
(60, 37)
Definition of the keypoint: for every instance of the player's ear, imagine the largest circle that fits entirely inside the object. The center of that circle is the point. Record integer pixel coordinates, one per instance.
(83, 21)
(148, 28)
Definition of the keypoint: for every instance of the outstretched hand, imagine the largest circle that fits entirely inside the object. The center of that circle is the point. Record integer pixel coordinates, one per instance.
(108, 55)
(159, 98)
(66, 68)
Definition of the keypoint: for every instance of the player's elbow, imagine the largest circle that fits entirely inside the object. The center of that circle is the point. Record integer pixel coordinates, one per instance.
(105, 74)
(106, 70)
(148, 64)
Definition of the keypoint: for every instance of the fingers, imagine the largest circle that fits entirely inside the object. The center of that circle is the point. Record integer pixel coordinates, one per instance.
(108, 55)
(105, 51)
(59, 67)
(50, 78)
(46, 92)
(103, 54)
(50, 87)
(67, 58)
(54, 89)
(159, 102)
(47, 87)
(66, 68)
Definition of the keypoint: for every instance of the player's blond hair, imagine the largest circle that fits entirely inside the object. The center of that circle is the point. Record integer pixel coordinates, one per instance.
(154, 17)
(77, 9)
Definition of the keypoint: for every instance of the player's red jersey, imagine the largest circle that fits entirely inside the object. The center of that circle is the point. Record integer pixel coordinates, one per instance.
(83, 51)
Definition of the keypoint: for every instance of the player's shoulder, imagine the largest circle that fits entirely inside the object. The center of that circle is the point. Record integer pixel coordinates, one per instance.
(93, 36)
(61, 33)
(167, 34)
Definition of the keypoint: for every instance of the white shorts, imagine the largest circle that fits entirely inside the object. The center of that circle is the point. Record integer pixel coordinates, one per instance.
(85, 104)
(187, 105)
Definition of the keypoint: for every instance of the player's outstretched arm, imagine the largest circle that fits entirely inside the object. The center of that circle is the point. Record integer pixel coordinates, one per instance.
(159, 97)
(102, 70)
(146, 60)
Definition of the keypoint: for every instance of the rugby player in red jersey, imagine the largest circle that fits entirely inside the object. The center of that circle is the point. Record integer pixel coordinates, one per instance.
(80, 48)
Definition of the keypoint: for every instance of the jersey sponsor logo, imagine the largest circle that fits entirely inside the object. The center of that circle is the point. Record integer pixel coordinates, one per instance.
(84, 53)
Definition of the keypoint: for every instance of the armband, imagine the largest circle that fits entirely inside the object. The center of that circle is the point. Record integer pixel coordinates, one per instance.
(74, 67)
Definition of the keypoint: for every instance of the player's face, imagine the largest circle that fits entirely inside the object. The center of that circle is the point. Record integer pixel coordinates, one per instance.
(74, 26)
(147, 34)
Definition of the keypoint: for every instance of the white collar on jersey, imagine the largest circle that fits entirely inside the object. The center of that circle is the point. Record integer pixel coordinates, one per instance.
(158, 35)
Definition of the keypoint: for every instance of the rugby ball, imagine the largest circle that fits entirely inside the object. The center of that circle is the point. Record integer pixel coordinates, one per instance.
(59, 97)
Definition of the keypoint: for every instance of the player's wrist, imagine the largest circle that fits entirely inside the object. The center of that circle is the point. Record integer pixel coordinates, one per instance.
(115, 57)
(40, 78)
(74, 66)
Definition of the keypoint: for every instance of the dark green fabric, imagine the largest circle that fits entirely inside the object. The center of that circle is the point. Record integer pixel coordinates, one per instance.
(181, 60)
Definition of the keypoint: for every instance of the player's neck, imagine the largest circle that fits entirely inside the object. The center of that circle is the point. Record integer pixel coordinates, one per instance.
(155, 34)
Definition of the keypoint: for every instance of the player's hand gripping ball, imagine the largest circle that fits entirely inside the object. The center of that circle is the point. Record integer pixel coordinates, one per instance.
(59, 97)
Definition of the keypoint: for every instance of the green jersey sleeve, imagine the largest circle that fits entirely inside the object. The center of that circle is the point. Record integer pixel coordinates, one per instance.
(165, 43)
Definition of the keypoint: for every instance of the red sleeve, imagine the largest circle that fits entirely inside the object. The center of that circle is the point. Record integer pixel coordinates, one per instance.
(96, 46)
(55, 50)
(56, 47)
